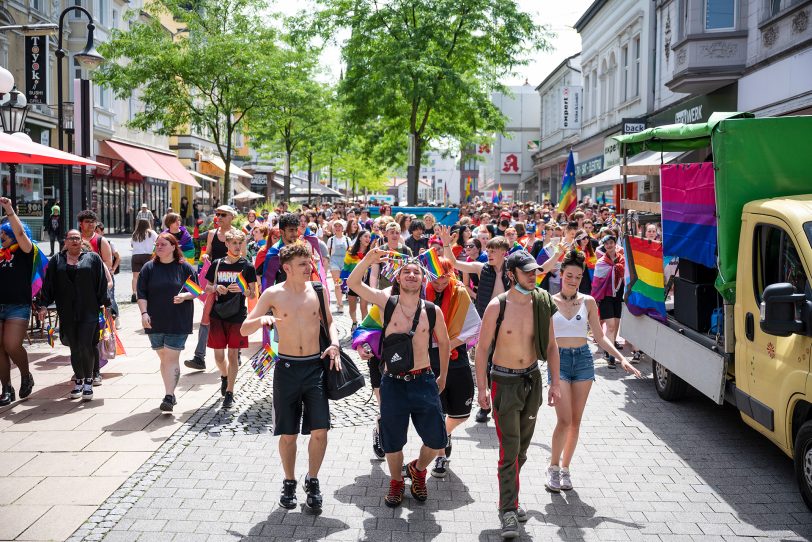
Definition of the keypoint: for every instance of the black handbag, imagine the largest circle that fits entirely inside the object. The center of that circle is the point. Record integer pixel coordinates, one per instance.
(396, 349)
(228, 309)
(343, 383)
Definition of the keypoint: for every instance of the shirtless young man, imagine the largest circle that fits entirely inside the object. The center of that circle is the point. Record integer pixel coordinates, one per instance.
(414, 394)
(525, 335)
(299, 394)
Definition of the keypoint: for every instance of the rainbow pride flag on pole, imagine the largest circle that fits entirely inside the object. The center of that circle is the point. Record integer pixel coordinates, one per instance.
(645, 285)
(431, 261)
(242, 284)
(192, 287)
(499, 194)
(264, 360)
(569, 197)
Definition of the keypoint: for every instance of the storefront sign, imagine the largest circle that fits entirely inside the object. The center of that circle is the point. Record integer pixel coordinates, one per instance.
(571, 107)
(633, 126)
(533, 145)
(510, 162)
(588, 167)
(259, 179)
(611, 152)
(700, 108)
(36, 69)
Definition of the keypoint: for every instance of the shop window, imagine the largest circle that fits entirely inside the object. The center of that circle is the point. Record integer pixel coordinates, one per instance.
(776, 260)
(720, 15)
(636, 75)
(624, 64)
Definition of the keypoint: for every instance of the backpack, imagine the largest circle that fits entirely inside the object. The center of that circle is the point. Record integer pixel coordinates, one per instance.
(502, 304)
(396, 350)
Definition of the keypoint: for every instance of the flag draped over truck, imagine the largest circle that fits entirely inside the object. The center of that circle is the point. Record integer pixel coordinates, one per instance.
(689, 212)
(645, 286)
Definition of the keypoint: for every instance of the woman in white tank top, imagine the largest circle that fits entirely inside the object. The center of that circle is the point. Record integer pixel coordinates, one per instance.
(576, 313)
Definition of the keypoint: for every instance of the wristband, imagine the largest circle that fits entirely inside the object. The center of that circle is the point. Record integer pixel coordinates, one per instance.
(143, 313)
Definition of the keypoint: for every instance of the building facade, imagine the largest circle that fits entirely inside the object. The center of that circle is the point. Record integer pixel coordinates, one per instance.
(561, 95)
(508, 162)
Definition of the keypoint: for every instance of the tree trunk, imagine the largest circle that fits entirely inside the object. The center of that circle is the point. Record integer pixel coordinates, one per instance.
(226, 197)
(331, 172)
(413, 170)
(353, 187)
(309, 177)
(286, 176)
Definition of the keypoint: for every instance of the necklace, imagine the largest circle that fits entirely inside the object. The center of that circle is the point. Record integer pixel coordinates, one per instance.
(572, 300)
(403, 311)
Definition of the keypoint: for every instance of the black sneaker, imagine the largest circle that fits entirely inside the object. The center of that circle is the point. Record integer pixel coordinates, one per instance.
(636, 357)
(7, 397)
(377, 449)
(288, 497)
(448, 448)
(482, 415)
(195, 363)
(97, 379)
(132, 299)
(223, 385)
(76, 392)
(87, 390)
(510, 525)
(618, 345)
(521, 514)
(168, 403)
(228, 400)
(311, 487)
(440, 468)
(26, 385)
(610, 362)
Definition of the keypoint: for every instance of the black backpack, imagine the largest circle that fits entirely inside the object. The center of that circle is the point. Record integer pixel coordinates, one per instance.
(396, 350)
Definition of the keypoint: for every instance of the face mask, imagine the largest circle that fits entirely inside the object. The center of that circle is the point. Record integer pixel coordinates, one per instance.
(521, 289)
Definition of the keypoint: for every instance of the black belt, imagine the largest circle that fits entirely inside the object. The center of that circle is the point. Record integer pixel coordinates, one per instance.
(514, 372)
(411, 375)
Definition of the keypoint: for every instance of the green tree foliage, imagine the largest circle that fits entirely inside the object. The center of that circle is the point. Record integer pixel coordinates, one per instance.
(213, 72)
(427, 67)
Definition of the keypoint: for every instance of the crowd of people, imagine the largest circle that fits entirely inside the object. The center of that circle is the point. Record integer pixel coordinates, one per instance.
(446, 316)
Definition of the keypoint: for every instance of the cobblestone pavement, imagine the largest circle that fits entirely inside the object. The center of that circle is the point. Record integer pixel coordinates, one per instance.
(644, 470)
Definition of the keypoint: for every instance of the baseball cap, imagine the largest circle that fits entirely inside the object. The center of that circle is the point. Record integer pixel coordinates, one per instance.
(521, 259)
(505, 214)
(608, 238)
(227, 209)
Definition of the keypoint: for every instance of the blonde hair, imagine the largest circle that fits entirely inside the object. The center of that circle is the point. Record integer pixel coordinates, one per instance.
(235, 235)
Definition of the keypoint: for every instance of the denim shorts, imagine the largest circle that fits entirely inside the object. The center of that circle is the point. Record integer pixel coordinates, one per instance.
(576, 364)
(418, 400)
(15, 312)
(171, 341)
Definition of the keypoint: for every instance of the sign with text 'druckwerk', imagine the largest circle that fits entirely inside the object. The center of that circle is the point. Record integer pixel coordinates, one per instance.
(36, 69)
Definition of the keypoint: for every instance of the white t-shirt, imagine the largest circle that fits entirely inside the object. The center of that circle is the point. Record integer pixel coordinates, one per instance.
(146, 246)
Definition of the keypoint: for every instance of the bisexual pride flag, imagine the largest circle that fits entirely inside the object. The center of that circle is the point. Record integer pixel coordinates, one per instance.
(689, 212)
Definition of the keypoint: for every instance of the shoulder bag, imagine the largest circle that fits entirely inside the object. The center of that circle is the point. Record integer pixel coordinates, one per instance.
(397, 354)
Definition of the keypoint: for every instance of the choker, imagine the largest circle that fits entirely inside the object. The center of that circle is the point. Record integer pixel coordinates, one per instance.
(573, 298)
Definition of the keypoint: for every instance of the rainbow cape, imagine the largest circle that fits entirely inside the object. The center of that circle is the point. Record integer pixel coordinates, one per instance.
(459, 313)
(350, 263)
(569, 198)
(645, 286)
(608, 277)
(187, 245)
(369, 331)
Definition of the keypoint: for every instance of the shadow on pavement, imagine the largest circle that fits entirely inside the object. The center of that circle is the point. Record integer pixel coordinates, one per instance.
(297, 525)
(745, 481)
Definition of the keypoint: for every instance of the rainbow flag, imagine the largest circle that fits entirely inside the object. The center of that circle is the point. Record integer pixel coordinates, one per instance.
(645, 286)
(38, 272)
(242, 284)
(569, 198)
(369, 331)
(264, 360)
(192, 287)
(468, 190)
(51, 339)
(431, 261)
(499, 194)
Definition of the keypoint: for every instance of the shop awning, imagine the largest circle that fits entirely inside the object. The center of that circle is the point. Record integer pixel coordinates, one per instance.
(202, 177)
(18, 151)
(150, 163)
(612, 175)
(217, 162)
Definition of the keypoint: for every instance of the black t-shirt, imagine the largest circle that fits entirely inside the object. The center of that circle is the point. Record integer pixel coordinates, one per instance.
(159, 283)
(15, 276)
(416, 244)
(227, 274)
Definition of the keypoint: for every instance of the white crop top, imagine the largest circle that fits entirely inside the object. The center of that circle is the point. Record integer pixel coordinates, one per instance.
(576, 327)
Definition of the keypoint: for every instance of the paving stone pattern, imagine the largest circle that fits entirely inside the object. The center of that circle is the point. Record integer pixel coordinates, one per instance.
(644, 470)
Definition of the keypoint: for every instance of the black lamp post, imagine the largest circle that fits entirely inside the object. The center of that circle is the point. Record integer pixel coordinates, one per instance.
(90, 58)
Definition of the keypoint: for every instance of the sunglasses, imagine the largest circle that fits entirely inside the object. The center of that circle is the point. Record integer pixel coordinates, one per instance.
(222, 215)
(470, 246)
(73, 239)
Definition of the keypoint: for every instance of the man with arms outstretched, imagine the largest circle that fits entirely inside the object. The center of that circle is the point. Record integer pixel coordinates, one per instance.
(414, 393)
(299, 393)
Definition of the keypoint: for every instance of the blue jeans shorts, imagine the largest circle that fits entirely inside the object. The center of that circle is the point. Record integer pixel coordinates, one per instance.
(418, 400)
(15, 312)
(576, 364)
(171, 341)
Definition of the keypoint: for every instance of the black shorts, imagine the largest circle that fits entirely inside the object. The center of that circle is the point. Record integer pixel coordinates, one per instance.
(299, 395)
(417, 399)
(610, 307)
(458, 395)
(374, 365)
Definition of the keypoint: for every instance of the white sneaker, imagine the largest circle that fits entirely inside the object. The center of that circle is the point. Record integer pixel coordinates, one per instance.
(565, 479)
(553, 483)
(76, 392)
(87, 390)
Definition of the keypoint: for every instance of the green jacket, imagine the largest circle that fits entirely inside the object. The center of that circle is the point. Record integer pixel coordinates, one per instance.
(543, 309)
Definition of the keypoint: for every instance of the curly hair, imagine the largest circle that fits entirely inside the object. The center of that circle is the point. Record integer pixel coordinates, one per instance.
(295, 250)
(288, 220)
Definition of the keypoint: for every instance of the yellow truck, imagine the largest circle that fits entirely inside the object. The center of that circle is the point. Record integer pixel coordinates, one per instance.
(759, 356)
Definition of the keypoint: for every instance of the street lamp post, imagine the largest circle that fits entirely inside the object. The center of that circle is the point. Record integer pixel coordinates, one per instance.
(90, 58)
(13, 110)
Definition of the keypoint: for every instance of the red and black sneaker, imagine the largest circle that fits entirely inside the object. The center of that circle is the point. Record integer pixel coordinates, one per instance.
(395, 495)
(418, 487)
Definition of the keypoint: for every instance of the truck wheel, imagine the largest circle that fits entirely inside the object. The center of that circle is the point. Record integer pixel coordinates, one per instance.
(803, 462)
(668, 385)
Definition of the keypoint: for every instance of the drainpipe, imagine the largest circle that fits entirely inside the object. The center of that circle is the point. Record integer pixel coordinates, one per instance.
(653, 56)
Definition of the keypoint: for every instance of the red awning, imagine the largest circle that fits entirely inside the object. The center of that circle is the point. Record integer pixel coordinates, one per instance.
(150, 163)
(17, 151)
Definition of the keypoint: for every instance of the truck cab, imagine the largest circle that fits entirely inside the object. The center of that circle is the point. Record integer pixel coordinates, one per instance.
(773, 320)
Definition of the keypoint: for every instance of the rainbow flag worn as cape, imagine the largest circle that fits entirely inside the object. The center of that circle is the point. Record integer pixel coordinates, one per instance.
(608, 277)
(645, 286)
(569, 198)
(459, 313)
(350, 263)
(369, 331)
(545, 254)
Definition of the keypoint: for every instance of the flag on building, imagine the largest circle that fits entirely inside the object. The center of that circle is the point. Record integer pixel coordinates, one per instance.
(569, 198)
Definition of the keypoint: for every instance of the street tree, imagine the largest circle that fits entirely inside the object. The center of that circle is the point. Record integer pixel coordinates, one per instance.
(427, 68)
(202, 64)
